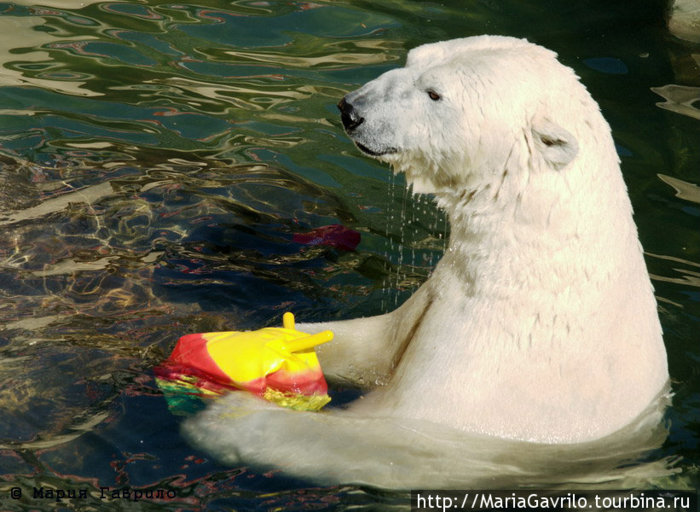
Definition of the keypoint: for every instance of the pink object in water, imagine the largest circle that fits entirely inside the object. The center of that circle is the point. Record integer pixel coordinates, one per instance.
(334, 235)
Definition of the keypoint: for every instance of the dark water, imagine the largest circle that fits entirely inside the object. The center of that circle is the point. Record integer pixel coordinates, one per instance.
(156, 160)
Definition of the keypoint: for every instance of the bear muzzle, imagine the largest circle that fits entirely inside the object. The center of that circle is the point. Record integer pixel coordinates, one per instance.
(349, 116)
(351, 121)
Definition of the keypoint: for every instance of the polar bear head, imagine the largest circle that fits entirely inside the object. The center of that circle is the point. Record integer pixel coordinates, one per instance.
(462, 112)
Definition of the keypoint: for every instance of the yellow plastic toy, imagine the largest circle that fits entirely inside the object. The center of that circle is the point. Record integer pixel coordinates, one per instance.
(279, 364)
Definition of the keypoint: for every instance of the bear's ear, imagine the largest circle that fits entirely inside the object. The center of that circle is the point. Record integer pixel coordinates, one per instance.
(557, 146)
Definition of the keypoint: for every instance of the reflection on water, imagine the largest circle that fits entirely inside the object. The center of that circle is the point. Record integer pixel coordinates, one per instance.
(156, 161)
(680, 99)
(684, 190)
(16, 67)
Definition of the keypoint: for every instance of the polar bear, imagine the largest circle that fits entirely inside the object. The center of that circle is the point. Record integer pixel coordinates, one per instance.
(539, 325)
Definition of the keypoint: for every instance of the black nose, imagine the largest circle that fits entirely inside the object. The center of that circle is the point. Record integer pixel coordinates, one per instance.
(351, 119)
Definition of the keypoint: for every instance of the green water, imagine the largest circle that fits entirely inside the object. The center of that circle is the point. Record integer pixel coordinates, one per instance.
(156, 160)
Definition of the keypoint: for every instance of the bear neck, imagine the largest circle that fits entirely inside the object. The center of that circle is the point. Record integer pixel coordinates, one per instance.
(513, 231)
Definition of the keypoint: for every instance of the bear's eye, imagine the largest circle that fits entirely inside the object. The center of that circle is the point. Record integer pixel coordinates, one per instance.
(433, 95)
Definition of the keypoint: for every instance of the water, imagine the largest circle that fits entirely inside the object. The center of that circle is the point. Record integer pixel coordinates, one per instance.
(156, 160)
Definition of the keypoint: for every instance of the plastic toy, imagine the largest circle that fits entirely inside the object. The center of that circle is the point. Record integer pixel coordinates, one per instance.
(278, 364)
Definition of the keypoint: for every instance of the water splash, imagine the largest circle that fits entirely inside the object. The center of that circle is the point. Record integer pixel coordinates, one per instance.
(416, 233)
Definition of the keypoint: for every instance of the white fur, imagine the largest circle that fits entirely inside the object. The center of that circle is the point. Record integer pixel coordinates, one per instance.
(539, 323)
